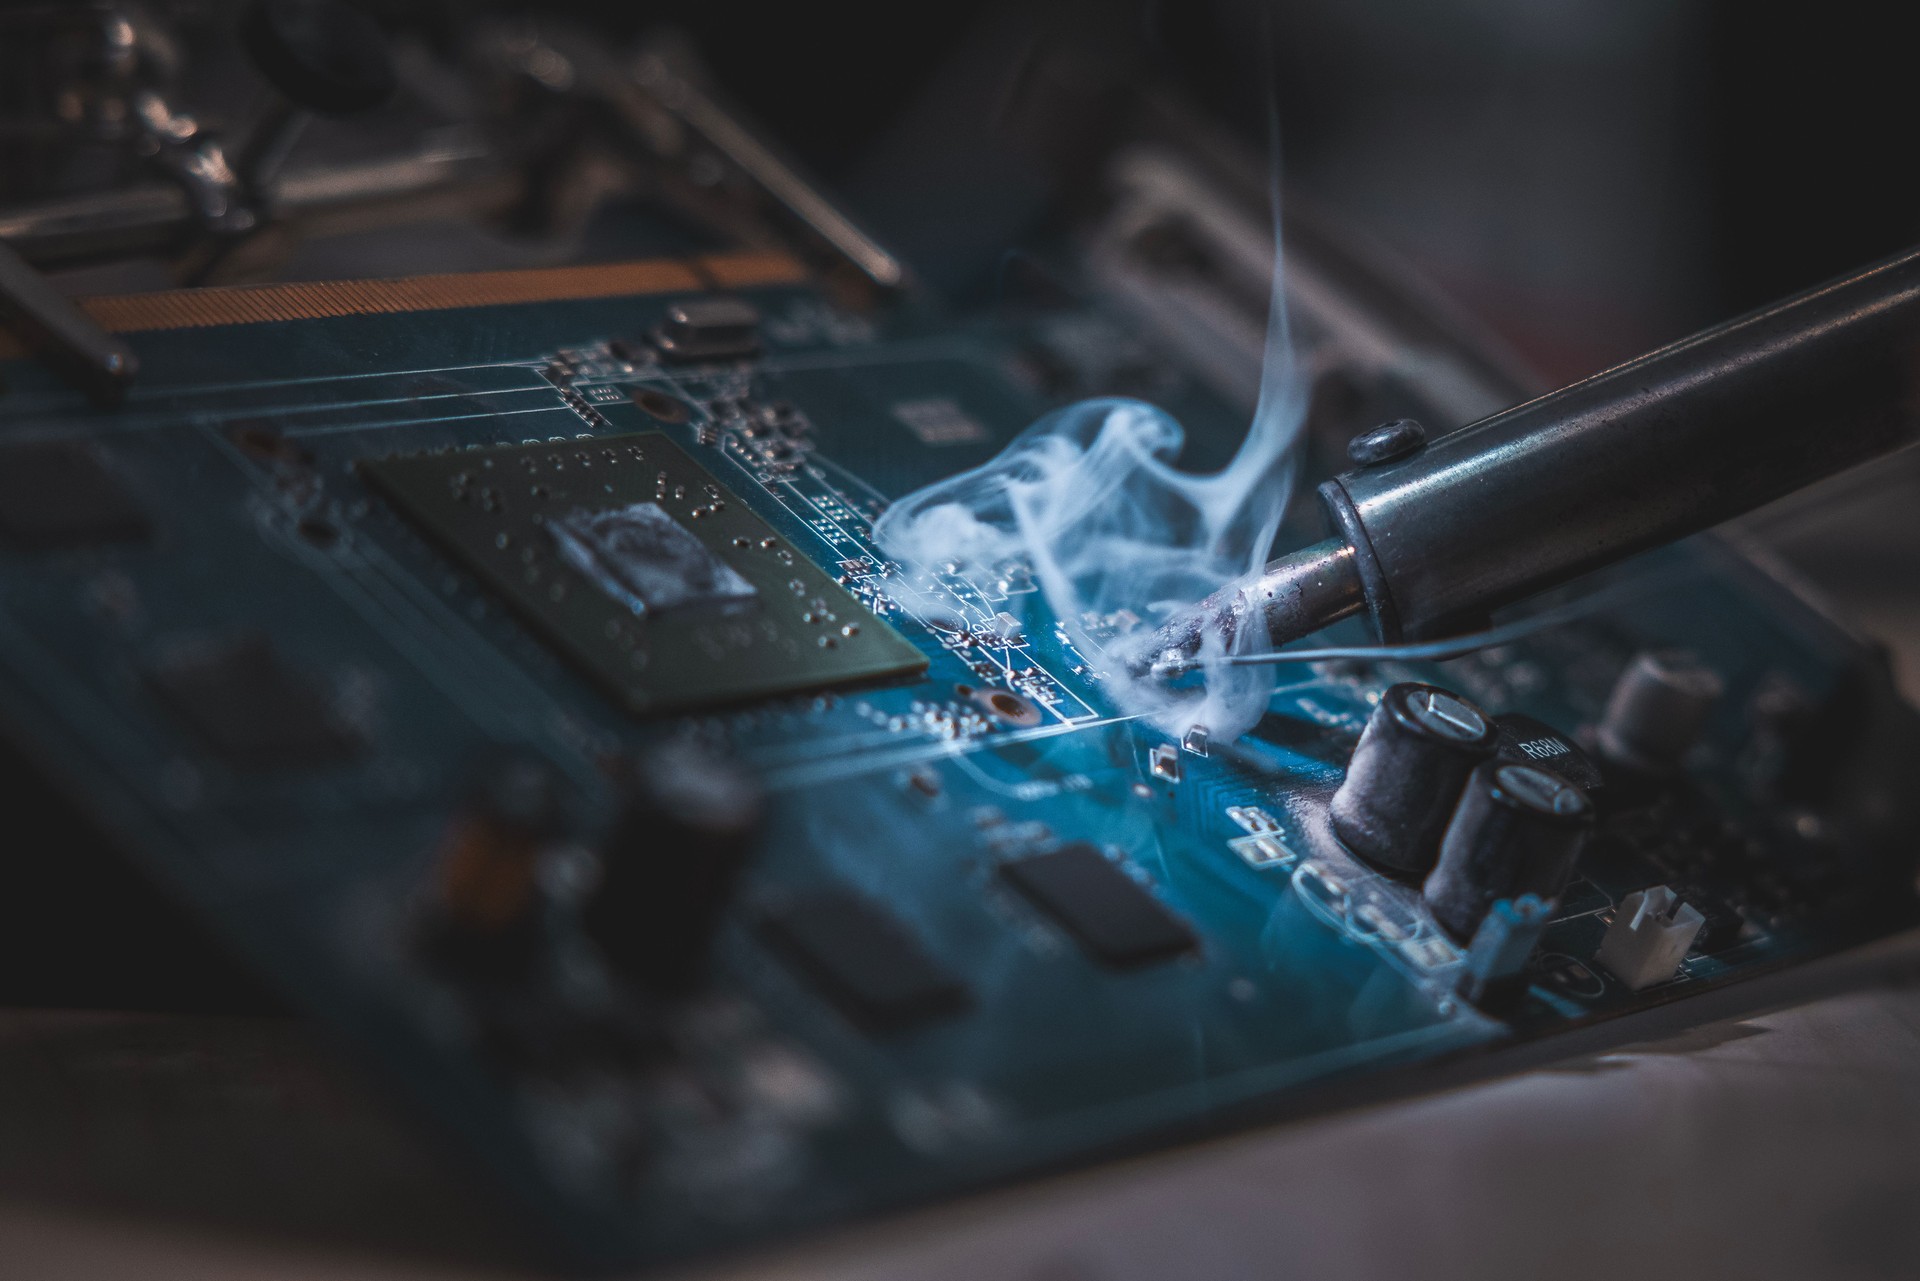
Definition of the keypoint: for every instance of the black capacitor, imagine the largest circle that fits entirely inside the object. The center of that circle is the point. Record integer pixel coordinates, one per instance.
(1658, 710)
(1518, 830)
(1406, 774)
(669, 865)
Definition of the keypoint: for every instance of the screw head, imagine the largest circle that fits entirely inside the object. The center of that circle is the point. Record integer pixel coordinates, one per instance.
(1387, 442)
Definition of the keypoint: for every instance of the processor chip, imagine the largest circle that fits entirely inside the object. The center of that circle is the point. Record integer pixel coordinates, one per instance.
(644, 570)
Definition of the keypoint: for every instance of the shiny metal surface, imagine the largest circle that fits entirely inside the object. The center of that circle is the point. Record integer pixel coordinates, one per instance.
(1294, 595)
(1645, 453)
(156, 216)
(1670, 444)
(700, 113)
(48, 321)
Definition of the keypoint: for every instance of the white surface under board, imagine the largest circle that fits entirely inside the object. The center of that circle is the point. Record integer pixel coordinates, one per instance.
(1782, 1145)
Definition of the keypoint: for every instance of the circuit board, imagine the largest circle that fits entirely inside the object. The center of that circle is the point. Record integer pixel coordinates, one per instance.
(270, 625)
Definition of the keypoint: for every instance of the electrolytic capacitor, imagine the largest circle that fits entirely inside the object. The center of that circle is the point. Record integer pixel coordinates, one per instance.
(1657, 711)
(669, 865)
(1518, 830)
(1406, 774)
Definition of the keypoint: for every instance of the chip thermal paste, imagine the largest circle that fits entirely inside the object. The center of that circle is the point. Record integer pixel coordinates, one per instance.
(644, 569)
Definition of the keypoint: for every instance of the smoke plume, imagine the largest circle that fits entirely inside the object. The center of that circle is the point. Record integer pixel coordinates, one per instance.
(1090, 500)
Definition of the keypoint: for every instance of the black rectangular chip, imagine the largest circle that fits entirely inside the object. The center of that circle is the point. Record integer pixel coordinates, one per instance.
(59, 495)
(1114, 917)
(863, 960)
(250, 707)
(649, 574)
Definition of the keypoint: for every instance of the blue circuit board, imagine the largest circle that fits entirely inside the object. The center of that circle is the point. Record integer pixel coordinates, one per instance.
(766, 1108)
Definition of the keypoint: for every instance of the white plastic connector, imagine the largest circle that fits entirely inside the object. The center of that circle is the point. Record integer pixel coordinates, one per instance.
(1651, 931)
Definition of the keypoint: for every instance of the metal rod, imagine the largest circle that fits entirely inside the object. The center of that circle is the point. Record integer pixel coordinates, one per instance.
(1316, 585)
(157, 217)
(49, 323)
(793, 192)
(1661, 447)
(722, 130)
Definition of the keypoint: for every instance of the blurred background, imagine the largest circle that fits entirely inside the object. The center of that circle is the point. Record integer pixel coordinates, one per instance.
(1591, 179)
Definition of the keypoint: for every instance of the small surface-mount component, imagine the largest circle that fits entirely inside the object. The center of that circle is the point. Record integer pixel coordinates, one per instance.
(1651, 932)
(1262, 846)
(249, 706)
(1006, 629)
(1164, 761)
(709, 329)
(668, 867)
(1657, 711)
(481, 915)
(1502, 944)
(644, 570)
(1517, 831)
(863, 960)
(1406, 775)
(60, 495)
(1263, 851)
(1251, 818)
(1109, 913)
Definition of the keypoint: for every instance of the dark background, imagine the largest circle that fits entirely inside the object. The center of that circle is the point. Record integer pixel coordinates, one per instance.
(1591, 178)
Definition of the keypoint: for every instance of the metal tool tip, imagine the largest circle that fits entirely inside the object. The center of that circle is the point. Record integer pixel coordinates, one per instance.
(1293, 596)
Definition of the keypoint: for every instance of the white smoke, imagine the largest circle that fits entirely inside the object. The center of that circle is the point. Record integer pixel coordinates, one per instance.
(1090, 499)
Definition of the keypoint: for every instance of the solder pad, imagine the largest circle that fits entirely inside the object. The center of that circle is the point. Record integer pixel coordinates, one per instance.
(644, 569)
